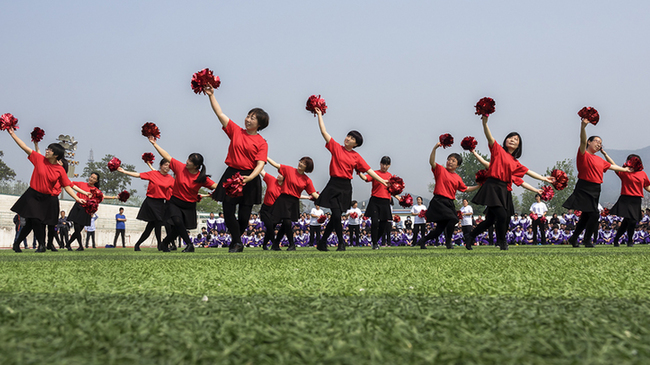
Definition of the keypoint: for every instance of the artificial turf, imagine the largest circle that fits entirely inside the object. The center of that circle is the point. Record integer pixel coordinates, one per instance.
(527, 305)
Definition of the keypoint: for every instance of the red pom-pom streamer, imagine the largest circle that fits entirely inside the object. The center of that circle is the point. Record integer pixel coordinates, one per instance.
(468, 143)
(543, 219)
(123, 196)
(561, 179)
(635, 163)
(547, 193)
(395, 185)
(234, 186)
(459, 214)
(203, 78)
(354, 215)
(446, 140)
(396, 218)
(485, 107)
(7, 121)
(577, 213)
(590, 114)
(533, 216)
(114, 163)
(316, 102)
(406, 201)
(92, 203)
(423, 213)
(481, 176)
(37, 135)
(148, 157)
(322, 219)
(150, 129)
(604, 212)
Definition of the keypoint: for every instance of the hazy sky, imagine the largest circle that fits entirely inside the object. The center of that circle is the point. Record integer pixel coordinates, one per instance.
(402, 73)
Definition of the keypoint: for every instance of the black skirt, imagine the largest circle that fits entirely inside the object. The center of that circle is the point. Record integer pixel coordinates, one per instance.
(78, 215)
(252, 190)
(494, 193)
(179, 208)
(265, 213)
(379, 208)
(441, 209)
(584, 197)
(286, 206)
(152, 210)
(628, 206)
(337, 194)
(39, 206)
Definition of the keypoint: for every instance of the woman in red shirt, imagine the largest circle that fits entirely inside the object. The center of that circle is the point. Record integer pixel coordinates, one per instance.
(495, 192)
(180, 210)
(286, 208)
(152, 210)
(39, 205)
(273, 188)
(628, 204)
(247, 155)
(378, 209)
(587, 190)
(337, 194)
(442, 208)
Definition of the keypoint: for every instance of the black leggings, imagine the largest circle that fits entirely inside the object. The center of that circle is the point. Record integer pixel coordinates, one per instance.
(236, 224)
(334, 225)
(627, 225)
(542, 231)
(446, 226)
(31, 224)
(178, 230)
(63, 237)
(377, 230)
(76, 235)
(420, 228)
(119, 232)
(90, 235)
(354, 235)
(589, 223)
(51, 236)
(314, 234)
(285, 230)
(269, 226)
(151, 226)
(497, 216)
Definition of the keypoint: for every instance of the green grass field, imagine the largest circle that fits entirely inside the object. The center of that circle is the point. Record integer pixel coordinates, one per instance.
(534, 305)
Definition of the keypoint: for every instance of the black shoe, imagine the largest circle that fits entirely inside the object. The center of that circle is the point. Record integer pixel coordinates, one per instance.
(322, 247)
(136, 247)
(341, 248)
(68, 248)
(590, 245)
(375, 246)
(469, 241)
(630, 244)
(275, 248)
(237, 248)
(17, 249)
(423, 246)
(291, 247)
(574, 243)
(51, 248)
(503, 246)
(189, 248)
(81, 248)
(265, 248)
(172, 247)
(450, 247)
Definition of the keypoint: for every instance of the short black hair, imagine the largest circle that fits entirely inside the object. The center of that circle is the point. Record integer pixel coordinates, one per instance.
(262, 118)
(358, 138)
(517, 152)
(57, 150)
(459, 158)
(309, 163)
(162, 162)
(385, 160)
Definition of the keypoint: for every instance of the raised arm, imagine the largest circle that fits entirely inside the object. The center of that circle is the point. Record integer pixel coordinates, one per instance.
(609, 159)
(537, 176)
(432, 157)
(162, 152)
(480, 159)
(374, 175)
(321, 125)
(583, 135)
(151, 167)
(38, 150)
(129, 173)
(19, 142)
(486, 130)
(215, 106)
(273, 163)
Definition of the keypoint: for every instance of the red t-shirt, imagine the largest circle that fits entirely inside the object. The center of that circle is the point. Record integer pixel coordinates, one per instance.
(379, 190)
(591, 167)
(184, 186)
(272, 189)
(294, 183)
(46, 175)
(632, 183)
(447, 183)
(160, 186)
(344, 162)
(244, 150)
(503, 166)
(83, 185)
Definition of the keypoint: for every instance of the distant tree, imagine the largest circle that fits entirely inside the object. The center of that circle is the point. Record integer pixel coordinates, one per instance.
(13, 188)
(208, 205)
(111, 183)
(555, 204)
(6, 172)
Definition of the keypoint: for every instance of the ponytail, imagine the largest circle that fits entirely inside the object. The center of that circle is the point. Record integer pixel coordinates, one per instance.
(197, 160)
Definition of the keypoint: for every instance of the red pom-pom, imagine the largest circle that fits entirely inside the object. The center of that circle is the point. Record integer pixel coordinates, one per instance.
(604, 212)
(396, 218)
(322, 219)
(114, 163)
(446, 140)
(37, 135)
(547, 193)
(533, 216)
(395, 185)
(354, 215)
(150, 129)
(543, 219)
(481, 176)
(148, 157)
(316, 102)
(635, 163)
(203, 78)
(561, 179)
(485, 106)
(459, 214)
(406, 201)
(234, 186)
(577, 213)
(7, 121)
(123, 196)
(468, 143)
(590, 114)
(423, 213)
(92, 203)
